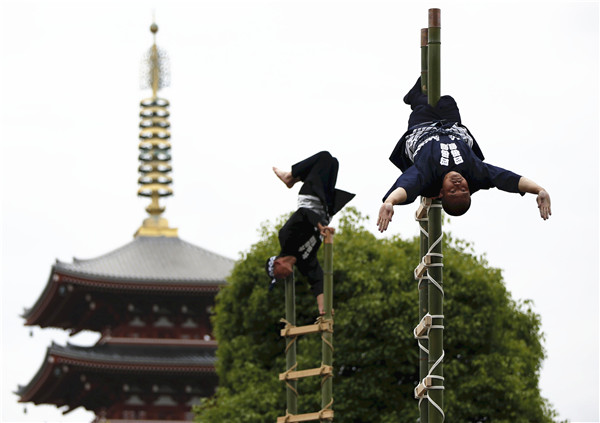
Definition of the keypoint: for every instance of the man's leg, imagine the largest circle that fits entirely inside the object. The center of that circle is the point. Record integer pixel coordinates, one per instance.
(318, 166)
(446, 108)
(415, 97)
(319, 174)
(317, 163)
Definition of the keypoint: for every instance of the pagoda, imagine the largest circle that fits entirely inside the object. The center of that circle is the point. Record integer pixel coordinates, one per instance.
(150, 301)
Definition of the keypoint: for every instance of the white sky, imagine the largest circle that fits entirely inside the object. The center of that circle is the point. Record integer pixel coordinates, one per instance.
(257, 84)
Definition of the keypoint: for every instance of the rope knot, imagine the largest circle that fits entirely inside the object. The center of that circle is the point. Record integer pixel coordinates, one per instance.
(288, 325)
(326, 376)
(322, 320)
(287, 416)
(326, 408)
(287, 372)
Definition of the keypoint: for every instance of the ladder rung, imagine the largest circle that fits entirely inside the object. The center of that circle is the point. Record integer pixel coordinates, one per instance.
(421, 212)
(319, 371)
(323, 415)
(422, 267)
(423, 209)
(326, 326)
(425, 324)
(421, 389)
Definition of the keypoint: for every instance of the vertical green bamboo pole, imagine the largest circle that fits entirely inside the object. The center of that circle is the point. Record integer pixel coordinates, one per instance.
(327, 348)
(290, 354)
(423, 284)
(423, 308)
(434, 57)
(436, 309)
(436, 295)
(424, 59)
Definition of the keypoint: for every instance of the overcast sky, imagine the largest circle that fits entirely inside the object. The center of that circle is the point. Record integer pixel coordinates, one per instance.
(257, 84)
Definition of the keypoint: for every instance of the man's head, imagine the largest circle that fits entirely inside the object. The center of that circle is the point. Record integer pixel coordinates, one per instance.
(279, 267)
(455, 195)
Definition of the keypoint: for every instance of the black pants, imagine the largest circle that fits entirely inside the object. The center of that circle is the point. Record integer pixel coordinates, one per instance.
(319, 174)
(445, 110)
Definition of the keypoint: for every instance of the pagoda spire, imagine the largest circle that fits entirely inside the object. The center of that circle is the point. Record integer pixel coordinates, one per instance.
(155, 147)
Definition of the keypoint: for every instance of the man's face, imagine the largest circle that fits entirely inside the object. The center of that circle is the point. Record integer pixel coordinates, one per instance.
(454, 186)
(282, 267)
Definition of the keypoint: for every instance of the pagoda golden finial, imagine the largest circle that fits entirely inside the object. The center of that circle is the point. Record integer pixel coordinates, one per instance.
(154, 144)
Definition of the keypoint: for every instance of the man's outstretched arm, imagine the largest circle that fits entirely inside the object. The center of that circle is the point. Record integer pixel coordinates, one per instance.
(543, 198)
(397, 196)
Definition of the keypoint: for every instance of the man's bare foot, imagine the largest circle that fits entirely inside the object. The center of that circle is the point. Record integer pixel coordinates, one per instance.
(286, 177)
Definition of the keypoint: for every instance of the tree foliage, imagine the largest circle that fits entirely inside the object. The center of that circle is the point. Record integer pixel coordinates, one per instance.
(492, 343)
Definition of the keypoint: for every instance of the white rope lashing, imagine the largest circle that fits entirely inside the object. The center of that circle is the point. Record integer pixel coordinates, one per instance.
(428, 277)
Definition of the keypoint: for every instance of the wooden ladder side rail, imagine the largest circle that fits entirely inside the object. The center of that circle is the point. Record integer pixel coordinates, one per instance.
(327, 337)
(320, 415)
(291, 394)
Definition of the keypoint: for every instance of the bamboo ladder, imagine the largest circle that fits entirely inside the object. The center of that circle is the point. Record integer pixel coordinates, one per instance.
(324, 326)
(429, 331)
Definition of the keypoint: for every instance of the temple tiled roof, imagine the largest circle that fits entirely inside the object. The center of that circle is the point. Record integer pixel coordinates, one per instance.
(188, 361)
(174, 355)
(153, 259)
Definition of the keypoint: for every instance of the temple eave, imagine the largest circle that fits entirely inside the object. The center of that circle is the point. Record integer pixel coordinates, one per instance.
(69, 374)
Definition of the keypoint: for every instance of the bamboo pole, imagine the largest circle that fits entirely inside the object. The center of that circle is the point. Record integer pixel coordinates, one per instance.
(327, 347)
(423, 283)
(433, 56)
(424, 59)
(436, 295)
(436, 309)
(423, 307)
(290, 348)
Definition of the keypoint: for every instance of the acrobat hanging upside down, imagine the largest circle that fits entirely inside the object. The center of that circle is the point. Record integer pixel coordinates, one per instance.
(440, 158)
(300, 237)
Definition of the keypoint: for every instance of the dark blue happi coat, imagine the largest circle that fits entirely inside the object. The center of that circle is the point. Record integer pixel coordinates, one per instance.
(437, 144)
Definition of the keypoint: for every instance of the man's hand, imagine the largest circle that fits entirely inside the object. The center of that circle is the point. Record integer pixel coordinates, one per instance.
(543, 201)
(324, 229)
(397, 196)
(321, 306)
(385, 216)
(543, 198)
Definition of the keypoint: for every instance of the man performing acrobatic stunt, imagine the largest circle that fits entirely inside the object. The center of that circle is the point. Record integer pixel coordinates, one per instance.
(300, 237)
(440, 158)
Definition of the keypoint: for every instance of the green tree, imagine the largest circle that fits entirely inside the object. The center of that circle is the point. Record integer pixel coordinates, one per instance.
(492, 343)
